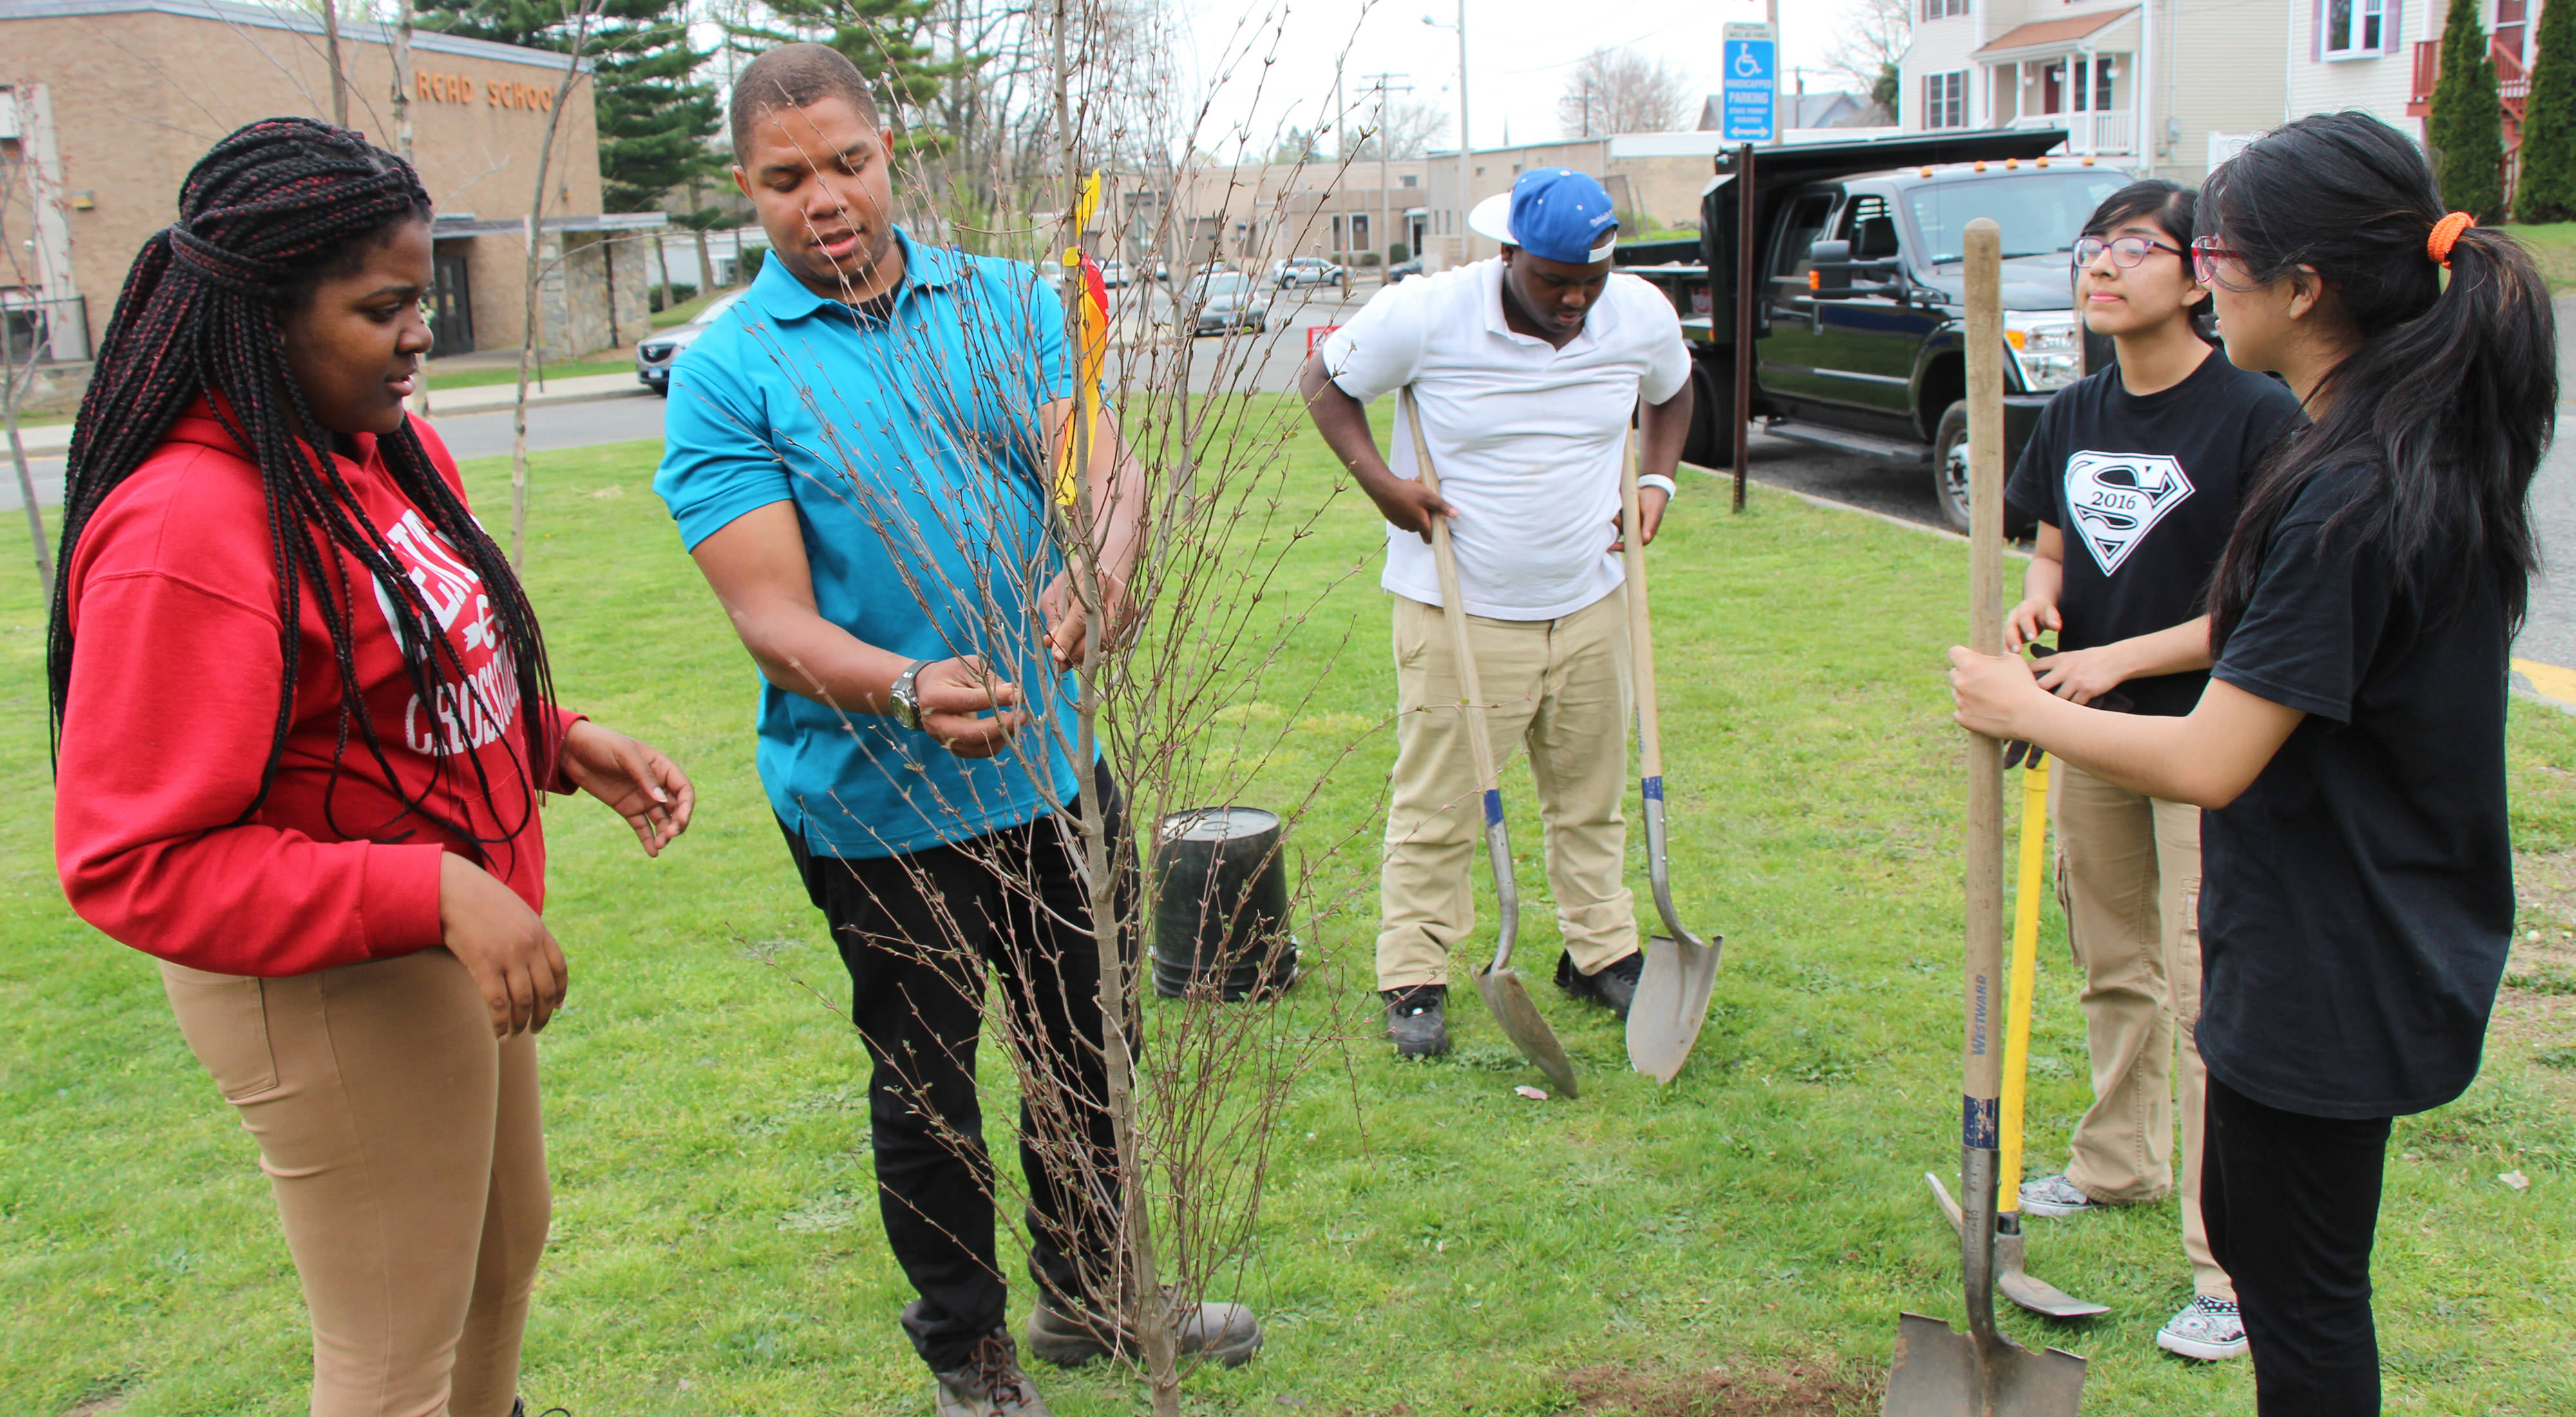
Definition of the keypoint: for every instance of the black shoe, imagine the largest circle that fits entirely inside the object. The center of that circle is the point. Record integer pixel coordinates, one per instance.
(1614, 988)
(519, 1408)
(989, 1383)
(1226, 1334)
(1418, 1020)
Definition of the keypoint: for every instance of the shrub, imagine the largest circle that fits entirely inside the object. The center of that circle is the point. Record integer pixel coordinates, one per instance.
(1398, 254)
(2547, 191)
(2466, 129)
(751, 260)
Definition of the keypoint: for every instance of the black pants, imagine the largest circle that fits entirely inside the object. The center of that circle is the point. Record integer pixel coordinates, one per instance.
(918, 933)
(2291, 1202)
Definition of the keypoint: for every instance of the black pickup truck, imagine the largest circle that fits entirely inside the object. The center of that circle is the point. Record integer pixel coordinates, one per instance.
(1859, 308)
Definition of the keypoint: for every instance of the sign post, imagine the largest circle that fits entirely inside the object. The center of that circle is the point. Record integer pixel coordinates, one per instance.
(1750, 67)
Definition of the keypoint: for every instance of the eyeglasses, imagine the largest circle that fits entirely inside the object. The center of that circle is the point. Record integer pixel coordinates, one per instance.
(2127, 252)
(2207, 256)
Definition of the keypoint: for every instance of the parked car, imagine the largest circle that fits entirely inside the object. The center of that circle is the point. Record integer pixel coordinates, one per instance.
(1114, 275)
(1307, 270)
(1403, 270)
(655, 356)
(1859, 309)
(1225, 300)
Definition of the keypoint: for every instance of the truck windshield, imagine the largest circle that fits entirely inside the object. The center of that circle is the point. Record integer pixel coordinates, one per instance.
(2040, 212)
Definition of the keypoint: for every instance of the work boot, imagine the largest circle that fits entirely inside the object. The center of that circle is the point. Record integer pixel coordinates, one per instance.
(1614, 988)
(1417, 1019)
(1069, 1336)
(989, 1383)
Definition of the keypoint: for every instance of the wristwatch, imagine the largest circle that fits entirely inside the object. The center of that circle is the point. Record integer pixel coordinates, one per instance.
(906, 698)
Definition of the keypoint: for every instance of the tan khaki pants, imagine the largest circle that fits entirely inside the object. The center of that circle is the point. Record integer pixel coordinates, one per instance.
(404, 1149)
(1558, 688)
(2129, 878)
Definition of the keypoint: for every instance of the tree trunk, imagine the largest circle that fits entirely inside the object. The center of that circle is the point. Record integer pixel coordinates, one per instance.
(535, 275)
(27, 486)
(339, 80)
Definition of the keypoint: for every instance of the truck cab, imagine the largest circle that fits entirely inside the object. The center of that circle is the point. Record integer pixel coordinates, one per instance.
(1858, 299)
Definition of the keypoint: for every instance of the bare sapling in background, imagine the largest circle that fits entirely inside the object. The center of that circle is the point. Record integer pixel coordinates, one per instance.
(1170, 516)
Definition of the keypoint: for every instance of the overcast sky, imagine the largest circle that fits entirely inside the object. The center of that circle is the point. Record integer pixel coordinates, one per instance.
(1518, 53)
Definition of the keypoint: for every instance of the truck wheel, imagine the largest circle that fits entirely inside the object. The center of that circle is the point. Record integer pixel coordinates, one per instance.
(1950, 466)
(1950, 477)
(1711, 443)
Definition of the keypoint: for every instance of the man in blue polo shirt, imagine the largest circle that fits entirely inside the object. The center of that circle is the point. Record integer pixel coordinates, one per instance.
(857, 455)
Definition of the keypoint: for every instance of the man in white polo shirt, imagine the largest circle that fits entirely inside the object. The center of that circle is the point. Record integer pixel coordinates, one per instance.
(1527, 369)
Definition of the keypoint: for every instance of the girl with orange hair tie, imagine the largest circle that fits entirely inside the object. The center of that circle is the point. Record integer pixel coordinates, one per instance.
(2357, 878)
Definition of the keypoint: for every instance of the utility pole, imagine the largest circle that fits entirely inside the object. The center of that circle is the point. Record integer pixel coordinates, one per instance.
(1466, 144)
(1383, 84)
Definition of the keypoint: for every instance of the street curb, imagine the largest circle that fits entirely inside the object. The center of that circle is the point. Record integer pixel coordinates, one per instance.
(1830, 504)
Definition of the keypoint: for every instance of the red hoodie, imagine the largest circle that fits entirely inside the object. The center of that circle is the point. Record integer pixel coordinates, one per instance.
(173, 598)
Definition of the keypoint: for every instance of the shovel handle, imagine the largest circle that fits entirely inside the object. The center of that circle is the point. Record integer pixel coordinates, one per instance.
(1471, 701)
(2025, 981)
(1982, 244)
(1641, 636)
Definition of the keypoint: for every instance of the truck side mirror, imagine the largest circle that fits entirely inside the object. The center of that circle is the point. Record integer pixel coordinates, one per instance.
(1829, 267)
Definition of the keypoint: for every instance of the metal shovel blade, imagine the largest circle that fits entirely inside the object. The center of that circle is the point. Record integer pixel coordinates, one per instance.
(1509, 1001)
(1941, 1372)
(1671, 1004)
(2018, 1284)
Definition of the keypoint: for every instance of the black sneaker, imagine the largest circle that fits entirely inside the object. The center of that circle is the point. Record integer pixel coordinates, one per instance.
(1614, 988)
(1417, 1019)
(519, 1408)
(989, 1383)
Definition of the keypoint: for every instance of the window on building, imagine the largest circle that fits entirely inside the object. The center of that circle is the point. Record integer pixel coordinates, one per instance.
(1945, 100)
(1944, 9)
(1359, 232)
(2354, 29)
(1337, 235)
(1406, 181)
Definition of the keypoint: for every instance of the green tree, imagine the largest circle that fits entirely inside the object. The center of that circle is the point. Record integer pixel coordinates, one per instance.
(531, 24)
(2466, 128)
(655, 115)
(886, 40)
(2547, 191)
(1296, 145)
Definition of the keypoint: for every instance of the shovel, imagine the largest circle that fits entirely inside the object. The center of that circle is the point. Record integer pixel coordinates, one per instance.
(1938, 1371)
(1505, 994)
(2019, 1285)
(1681, 968)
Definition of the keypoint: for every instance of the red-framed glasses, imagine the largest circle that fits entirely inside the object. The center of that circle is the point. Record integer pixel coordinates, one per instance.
(2207, 256)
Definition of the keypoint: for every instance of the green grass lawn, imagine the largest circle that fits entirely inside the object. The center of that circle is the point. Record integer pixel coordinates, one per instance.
(509, 374)
(2553, 249)
(1431, 1242)
(686, 310)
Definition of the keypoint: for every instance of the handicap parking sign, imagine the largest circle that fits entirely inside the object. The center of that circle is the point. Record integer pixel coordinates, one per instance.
(1746, 102)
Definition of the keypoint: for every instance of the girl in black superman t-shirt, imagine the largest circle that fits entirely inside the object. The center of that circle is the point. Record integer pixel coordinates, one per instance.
(2133, 476)
(2357, 895)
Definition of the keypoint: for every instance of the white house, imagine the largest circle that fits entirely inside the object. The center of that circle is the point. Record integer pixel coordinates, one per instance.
(2142, 84)
(2382, 56)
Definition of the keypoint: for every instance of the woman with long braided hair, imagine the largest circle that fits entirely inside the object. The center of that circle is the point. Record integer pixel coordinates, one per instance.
(303, 718)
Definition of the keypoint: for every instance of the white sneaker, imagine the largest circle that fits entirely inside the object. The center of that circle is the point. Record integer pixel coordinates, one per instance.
(2207, 1329)
(2055, 1198)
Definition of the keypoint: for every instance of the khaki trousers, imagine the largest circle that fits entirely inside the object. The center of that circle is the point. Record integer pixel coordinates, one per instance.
(404, 1149)
(2129, 878)
(1560, 689)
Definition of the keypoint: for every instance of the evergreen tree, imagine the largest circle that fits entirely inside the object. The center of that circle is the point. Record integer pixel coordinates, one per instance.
(883, 38)
(655, 115)
(2547, 191)
(2466, 129)
(530, 24)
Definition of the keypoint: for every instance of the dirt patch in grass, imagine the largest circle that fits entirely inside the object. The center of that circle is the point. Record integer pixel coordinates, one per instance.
(1799, 1390)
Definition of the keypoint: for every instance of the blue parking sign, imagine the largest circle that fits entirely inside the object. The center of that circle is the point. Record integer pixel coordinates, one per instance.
(1746, 102)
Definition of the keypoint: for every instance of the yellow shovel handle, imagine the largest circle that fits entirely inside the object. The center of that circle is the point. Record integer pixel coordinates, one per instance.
(2025, 971)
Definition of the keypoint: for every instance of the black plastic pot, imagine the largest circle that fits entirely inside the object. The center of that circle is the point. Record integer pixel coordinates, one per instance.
(1221, 905)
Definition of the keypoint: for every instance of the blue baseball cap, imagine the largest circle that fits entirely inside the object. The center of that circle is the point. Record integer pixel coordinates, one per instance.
(1555, 214)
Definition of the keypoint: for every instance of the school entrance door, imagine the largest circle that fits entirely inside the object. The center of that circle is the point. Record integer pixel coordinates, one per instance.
(451, 302)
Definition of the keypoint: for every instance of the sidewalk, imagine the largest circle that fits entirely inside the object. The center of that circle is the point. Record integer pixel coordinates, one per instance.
(54, 439)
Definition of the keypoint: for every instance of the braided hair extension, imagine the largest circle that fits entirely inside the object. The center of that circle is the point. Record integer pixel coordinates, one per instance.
(265, 215)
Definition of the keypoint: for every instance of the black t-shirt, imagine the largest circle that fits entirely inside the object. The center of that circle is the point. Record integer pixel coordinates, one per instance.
(2357, 901)
(2144, 489)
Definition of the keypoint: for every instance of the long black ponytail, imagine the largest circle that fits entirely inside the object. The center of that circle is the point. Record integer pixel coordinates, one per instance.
(2449, 399)
(264, 215)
